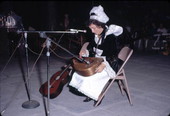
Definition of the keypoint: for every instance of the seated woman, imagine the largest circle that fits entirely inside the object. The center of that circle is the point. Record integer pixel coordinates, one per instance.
(103, 46)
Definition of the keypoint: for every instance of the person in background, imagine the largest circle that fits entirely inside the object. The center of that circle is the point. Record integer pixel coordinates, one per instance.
(103, 45)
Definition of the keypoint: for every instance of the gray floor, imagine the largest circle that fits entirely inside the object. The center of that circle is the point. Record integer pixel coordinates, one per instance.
(148, 76)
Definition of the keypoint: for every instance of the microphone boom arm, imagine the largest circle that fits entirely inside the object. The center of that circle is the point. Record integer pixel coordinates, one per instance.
(80, 59)
(43, 35)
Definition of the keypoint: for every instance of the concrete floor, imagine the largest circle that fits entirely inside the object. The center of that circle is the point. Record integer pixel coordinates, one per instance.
(148, 76)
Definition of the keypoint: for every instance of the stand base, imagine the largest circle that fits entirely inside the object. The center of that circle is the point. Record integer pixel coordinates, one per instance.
(30, 104)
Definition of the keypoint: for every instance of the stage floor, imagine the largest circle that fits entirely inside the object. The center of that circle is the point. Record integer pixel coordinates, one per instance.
(148, 76)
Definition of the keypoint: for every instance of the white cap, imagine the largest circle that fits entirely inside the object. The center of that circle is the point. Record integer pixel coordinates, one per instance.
(99, 14)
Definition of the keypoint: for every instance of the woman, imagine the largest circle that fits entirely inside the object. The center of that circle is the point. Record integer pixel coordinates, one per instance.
(103, 46)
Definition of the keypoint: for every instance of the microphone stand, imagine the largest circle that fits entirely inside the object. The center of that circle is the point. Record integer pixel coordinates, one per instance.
(48, 43)
(80, 59)
(30, 103)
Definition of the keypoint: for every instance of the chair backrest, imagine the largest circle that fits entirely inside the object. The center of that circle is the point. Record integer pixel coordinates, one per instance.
(124, 55)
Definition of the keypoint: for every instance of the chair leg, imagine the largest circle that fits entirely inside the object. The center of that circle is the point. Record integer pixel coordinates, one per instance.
(123, 85)
(99, 100)
(127, 88)
(120, 83)
(110, 82)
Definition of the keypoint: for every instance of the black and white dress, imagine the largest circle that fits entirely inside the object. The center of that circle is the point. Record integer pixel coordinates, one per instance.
(93, 85)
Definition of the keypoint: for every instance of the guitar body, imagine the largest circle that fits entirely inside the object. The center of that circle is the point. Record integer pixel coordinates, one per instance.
(57, 82)
(87, 69)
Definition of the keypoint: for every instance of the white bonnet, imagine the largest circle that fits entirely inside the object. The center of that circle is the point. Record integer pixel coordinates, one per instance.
(99, 14)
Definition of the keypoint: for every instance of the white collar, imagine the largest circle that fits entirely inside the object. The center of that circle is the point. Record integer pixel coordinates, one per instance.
(114, 29)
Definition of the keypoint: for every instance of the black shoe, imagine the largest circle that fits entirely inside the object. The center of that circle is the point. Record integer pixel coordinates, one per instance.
(87, 99)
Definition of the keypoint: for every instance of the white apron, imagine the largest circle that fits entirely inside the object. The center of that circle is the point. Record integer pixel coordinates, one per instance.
(92, 85)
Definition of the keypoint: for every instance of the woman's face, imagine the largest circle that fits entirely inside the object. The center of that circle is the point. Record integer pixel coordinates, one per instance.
(96, 29)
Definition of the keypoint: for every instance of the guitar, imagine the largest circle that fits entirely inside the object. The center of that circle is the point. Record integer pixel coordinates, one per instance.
(57, 82)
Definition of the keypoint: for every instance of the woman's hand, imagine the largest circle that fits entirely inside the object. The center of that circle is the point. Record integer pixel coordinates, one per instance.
(81, 53)
(83, 49)
(100, 68)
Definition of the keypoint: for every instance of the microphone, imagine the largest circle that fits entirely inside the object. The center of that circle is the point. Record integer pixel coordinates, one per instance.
(78, 30)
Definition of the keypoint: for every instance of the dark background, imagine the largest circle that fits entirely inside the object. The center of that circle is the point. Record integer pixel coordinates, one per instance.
(47, 15)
